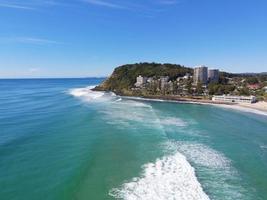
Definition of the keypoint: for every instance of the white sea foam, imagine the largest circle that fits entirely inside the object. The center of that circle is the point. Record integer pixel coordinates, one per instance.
(204, 155)
(214, 169)
(86, 93)
(171, 177)
(116, 110)
(173, 121)
(125, 113)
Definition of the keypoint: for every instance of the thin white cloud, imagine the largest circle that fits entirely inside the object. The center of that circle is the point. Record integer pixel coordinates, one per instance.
(38, 41)
(168, 2)
(30, 4)
(15, 6)
(29, 40)
(105, 4)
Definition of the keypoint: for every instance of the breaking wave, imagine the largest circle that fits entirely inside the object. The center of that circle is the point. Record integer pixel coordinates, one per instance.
(215, 170)
(171, 177)
(87, 94)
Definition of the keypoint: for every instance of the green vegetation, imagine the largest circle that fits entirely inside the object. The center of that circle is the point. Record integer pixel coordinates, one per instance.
(219, 89)
(124, 77)
(252, 80)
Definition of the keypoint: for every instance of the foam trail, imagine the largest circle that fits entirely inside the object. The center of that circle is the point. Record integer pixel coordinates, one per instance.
(173, 121)
(171, 177)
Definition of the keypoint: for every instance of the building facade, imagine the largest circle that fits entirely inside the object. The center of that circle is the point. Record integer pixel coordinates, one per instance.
(213, 75)
(201, 75)
(140, 81)
(164, 82)
(234, 99)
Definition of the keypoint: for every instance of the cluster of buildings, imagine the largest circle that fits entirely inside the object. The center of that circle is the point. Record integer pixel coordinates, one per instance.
(159, 84)
(204, 75)
(201, 75)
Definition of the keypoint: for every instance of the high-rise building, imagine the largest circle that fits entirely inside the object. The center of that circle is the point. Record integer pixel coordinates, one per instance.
(213, 75)
(201, 74)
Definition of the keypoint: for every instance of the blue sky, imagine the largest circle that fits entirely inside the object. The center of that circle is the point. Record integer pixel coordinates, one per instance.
(80, 38)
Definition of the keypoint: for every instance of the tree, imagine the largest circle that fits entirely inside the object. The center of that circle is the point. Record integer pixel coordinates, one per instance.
(244, 91)
(189, 86)
(252, 80)
(199, 89)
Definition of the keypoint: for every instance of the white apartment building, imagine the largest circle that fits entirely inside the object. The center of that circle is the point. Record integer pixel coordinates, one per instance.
(140, 81)
(234, 99)
(164, 82)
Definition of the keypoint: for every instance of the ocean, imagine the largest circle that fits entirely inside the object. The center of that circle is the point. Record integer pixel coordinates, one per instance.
(60, 140)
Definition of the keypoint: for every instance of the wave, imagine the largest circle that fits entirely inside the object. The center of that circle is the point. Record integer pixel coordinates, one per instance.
(171, 177)
(86, 92)
(215, 170)
(203, 155)
(88, 95)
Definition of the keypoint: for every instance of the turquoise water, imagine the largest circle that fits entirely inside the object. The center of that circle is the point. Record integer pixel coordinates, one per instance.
(60, 140)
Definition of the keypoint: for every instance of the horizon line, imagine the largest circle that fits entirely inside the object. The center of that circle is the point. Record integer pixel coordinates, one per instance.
(13, 78)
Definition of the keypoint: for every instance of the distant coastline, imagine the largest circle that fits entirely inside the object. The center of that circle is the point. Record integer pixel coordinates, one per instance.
(180, 84)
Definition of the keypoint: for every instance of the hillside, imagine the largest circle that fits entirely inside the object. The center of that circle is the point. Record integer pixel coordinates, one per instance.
(124, 77)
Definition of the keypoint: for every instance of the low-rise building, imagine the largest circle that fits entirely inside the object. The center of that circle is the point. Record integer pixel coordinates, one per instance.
(170, 86)
(265, 89)
(234, 99)
(150, 80)
(255, 86)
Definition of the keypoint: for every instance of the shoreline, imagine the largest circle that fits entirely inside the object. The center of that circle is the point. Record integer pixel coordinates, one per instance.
(259, 108)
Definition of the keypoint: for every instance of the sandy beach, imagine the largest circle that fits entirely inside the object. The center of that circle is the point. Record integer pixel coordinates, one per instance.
(256, 108)
(261, 106)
